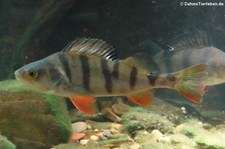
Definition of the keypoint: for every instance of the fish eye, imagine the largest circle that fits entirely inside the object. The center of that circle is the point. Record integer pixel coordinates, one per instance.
(33, 74)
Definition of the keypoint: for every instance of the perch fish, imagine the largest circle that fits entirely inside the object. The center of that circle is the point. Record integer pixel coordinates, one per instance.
(189, 49)
(89, 68)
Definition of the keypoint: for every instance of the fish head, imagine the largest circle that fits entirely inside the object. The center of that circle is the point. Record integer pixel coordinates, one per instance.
(40, 75)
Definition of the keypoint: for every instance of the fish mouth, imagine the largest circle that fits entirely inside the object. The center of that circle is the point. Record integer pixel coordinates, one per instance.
(17, 74)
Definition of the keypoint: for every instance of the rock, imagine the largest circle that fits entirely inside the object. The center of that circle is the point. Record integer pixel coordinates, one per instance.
(140, 119)
(79, 126)
(195, 131)
(93, 137)
(135, 146)
(207, 126)
(6, 144)
(165, 139)
(183, 141)
(116, 128)
(107, 133)
(32, 119)
(84, 141)
(179, 128)
(89, 127)
(77, 136)
(120, 108)
(157, 134)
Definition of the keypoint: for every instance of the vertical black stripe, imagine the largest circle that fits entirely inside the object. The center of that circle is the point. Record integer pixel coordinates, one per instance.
(133, 77)
(115, 72)
(65, 64)
(107, 75)
(85, 68)
(152, 77)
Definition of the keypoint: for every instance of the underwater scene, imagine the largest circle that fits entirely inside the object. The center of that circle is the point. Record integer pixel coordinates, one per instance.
(112, 74)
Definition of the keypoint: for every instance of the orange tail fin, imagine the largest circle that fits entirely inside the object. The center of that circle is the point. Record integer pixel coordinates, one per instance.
(192, 82)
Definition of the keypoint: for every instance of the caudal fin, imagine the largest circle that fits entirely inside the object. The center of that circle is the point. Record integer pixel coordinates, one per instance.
(192, 82)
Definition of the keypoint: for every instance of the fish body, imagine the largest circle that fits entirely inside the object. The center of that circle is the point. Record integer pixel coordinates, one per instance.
(191, 49)
(89, 68)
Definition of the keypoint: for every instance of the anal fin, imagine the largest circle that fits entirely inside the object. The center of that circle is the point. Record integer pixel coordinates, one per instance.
(141, 98)
(84, 103)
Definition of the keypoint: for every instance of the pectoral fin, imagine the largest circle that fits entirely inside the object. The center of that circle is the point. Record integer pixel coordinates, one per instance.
(142, 98)
(84, 104)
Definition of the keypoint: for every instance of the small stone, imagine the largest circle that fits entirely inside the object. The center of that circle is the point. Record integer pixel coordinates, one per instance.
(200, 123)
(93, 137)
(179, 128)
(89, 127)
(145, 132)
(206, 126)
(84, 141)
(96, 130)
(107, 133)
(135, 146)
(77, 136)
(183, 109)
(165, 139)
(157, 134)
(116, 128)
(79, 126)
(101, 136)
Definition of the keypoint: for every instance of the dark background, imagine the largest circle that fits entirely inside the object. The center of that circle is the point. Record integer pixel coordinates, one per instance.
(33, 29)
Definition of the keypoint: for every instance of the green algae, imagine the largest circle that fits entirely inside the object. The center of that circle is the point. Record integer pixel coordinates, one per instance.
(203, 138)
(12, 86)
(6, 144)
(62, 116)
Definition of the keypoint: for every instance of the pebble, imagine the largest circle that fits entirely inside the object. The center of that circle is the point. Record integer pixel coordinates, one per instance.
(107, 133)
(84, 141)
(89, 127)
(157, 134)
(165, 139)
(135, 146)
(79, 126)
(77, 136)
(179, 128)
(116, 128)
(93, 137)
(206, 126)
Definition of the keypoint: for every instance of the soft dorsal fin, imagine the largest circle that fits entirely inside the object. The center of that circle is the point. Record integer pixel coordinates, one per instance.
(88, 46)
(194, 39)
(142, 60)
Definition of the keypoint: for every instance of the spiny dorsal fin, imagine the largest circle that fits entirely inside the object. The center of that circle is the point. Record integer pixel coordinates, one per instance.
(88, 46)
(142, 60)
(195, 39)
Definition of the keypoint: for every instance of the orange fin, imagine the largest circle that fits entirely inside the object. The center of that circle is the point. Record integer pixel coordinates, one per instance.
(143, 98)
(192, 82)
(84, 104)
